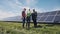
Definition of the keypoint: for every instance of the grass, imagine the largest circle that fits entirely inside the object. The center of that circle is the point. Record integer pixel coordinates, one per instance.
(16, 28)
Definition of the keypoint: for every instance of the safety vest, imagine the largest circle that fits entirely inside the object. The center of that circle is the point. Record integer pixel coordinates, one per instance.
(28, 13)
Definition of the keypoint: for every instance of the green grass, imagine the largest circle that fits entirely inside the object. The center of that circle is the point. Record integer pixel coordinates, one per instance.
(16, 28)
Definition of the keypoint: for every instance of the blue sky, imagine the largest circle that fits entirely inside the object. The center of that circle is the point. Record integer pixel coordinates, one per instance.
(9, 8)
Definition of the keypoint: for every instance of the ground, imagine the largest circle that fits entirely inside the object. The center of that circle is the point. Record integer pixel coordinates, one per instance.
(16, 28)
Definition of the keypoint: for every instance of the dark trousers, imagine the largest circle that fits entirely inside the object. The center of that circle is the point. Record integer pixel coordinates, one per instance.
(28, 22)
(35, 23)
(23, 22)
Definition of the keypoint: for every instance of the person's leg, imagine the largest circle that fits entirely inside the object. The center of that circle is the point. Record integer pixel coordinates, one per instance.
(29, 23)
(23, 22)
(26, 25)
(35, 23)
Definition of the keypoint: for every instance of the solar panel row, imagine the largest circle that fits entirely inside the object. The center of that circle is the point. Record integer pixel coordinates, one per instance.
(49, 17)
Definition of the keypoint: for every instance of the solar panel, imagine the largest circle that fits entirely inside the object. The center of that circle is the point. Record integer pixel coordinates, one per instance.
(49, 18)
(57, 18)
(45, 14)
(40, 14)
(38, 18)
(58, 13)
(42, 18)
(52, 13)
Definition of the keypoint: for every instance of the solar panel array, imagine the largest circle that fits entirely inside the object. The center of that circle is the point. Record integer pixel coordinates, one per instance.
(52, 17)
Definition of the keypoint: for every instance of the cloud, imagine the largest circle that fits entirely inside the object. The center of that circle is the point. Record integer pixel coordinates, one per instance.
(55, 9)
(39, 10)
(14, 4)
(14, 10)
(31, 2)
(4, 14)
(28, 1)
(14, 7)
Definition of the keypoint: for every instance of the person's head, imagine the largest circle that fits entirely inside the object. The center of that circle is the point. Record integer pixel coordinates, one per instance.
(29, 9)
(33, 10)
(24, 9)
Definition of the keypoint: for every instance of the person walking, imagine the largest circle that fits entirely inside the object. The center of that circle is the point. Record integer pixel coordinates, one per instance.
(34, 18)
(23, 16)
(28, 19)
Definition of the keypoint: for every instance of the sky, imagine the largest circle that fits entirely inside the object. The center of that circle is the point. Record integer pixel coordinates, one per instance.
(10, 8)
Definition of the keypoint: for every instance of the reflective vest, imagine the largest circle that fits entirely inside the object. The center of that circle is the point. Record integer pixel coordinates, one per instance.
(28, 13)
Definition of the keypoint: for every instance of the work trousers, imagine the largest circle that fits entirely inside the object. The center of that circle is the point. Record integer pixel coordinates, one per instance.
(28, 22)
(23, 22)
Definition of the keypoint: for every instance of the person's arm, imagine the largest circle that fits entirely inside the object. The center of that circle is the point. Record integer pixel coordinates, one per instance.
(22, 15)
(36, 14)
(30, 13)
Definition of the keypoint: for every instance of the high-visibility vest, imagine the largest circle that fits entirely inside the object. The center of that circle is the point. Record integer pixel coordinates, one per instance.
(28, 13)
